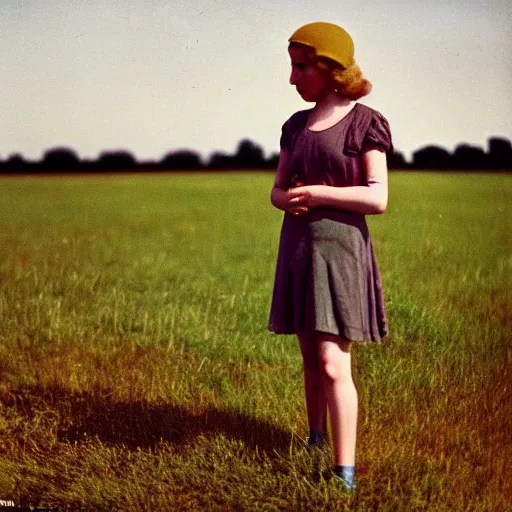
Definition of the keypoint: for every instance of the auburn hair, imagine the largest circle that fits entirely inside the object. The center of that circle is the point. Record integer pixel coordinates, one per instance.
(348, 82)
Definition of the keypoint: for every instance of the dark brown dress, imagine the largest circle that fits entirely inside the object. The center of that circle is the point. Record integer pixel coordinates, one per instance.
(327, 277)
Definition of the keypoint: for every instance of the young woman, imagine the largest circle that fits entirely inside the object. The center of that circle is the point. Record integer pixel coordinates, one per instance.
(332, 172)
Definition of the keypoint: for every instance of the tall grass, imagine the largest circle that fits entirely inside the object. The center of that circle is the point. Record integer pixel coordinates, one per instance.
(136, 371)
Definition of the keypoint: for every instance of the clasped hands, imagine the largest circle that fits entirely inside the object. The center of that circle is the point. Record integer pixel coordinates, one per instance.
(299, 199)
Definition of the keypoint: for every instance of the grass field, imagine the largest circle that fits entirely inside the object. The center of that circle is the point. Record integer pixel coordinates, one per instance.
(137, 373)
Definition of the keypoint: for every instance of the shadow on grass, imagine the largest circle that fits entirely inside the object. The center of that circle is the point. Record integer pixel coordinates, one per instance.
(140, 424)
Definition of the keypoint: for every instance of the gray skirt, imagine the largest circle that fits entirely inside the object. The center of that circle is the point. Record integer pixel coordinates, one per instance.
(327, 278)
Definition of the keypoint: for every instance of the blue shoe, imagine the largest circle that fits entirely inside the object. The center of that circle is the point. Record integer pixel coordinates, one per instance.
(344, 477)
(342, 485)
(316, 439)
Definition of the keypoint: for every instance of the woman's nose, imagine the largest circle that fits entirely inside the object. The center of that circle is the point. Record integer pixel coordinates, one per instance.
(293, 77)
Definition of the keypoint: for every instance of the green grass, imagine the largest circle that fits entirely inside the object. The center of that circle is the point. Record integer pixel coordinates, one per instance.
(137, 373)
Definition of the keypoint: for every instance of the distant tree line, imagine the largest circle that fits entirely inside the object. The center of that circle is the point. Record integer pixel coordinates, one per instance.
(250, 156)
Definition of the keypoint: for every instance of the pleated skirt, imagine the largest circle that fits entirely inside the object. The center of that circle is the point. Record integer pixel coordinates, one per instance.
(327, 278)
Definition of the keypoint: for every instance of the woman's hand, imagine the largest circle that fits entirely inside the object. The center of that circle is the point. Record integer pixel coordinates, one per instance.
(368, 199)
(284, 196)
(292, 200)
(305, 195)
(298, 210)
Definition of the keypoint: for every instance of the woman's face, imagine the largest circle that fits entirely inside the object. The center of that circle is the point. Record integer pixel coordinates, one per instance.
(311, 82)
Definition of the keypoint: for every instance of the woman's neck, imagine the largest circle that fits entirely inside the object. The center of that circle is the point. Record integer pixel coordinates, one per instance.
(331, 108)
(331, 102)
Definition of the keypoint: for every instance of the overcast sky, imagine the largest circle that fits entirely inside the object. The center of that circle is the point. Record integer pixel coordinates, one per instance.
(151, 76)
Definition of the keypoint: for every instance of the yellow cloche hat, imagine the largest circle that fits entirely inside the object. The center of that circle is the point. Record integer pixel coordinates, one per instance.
(328, 40)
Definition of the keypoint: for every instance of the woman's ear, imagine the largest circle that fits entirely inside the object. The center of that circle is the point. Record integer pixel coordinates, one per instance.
(322, 65)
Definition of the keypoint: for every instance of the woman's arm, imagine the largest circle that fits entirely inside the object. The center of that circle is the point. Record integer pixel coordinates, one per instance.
(281, 196)
(368, 200)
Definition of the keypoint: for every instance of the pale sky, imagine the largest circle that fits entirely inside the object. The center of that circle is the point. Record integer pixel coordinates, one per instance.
(153, 76)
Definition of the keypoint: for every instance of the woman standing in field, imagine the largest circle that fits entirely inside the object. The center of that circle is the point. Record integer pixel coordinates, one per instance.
(332, 172)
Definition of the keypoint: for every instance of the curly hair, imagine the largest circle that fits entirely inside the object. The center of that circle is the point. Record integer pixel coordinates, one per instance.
(348, 82)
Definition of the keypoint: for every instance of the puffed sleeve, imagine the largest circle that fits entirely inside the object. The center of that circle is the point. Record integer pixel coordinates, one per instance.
(378, 135)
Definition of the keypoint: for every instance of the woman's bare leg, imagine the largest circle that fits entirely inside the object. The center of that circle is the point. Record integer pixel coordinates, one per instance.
(335, 364)
(316, 402)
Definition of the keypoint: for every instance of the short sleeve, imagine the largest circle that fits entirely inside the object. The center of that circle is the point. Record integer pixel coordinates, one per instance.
(378, 135)
(291, 128)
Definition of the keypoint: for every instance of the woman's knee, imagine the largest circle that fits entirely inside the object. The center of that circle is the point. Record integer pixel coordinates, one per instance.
(334, 359)
(332, 369)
